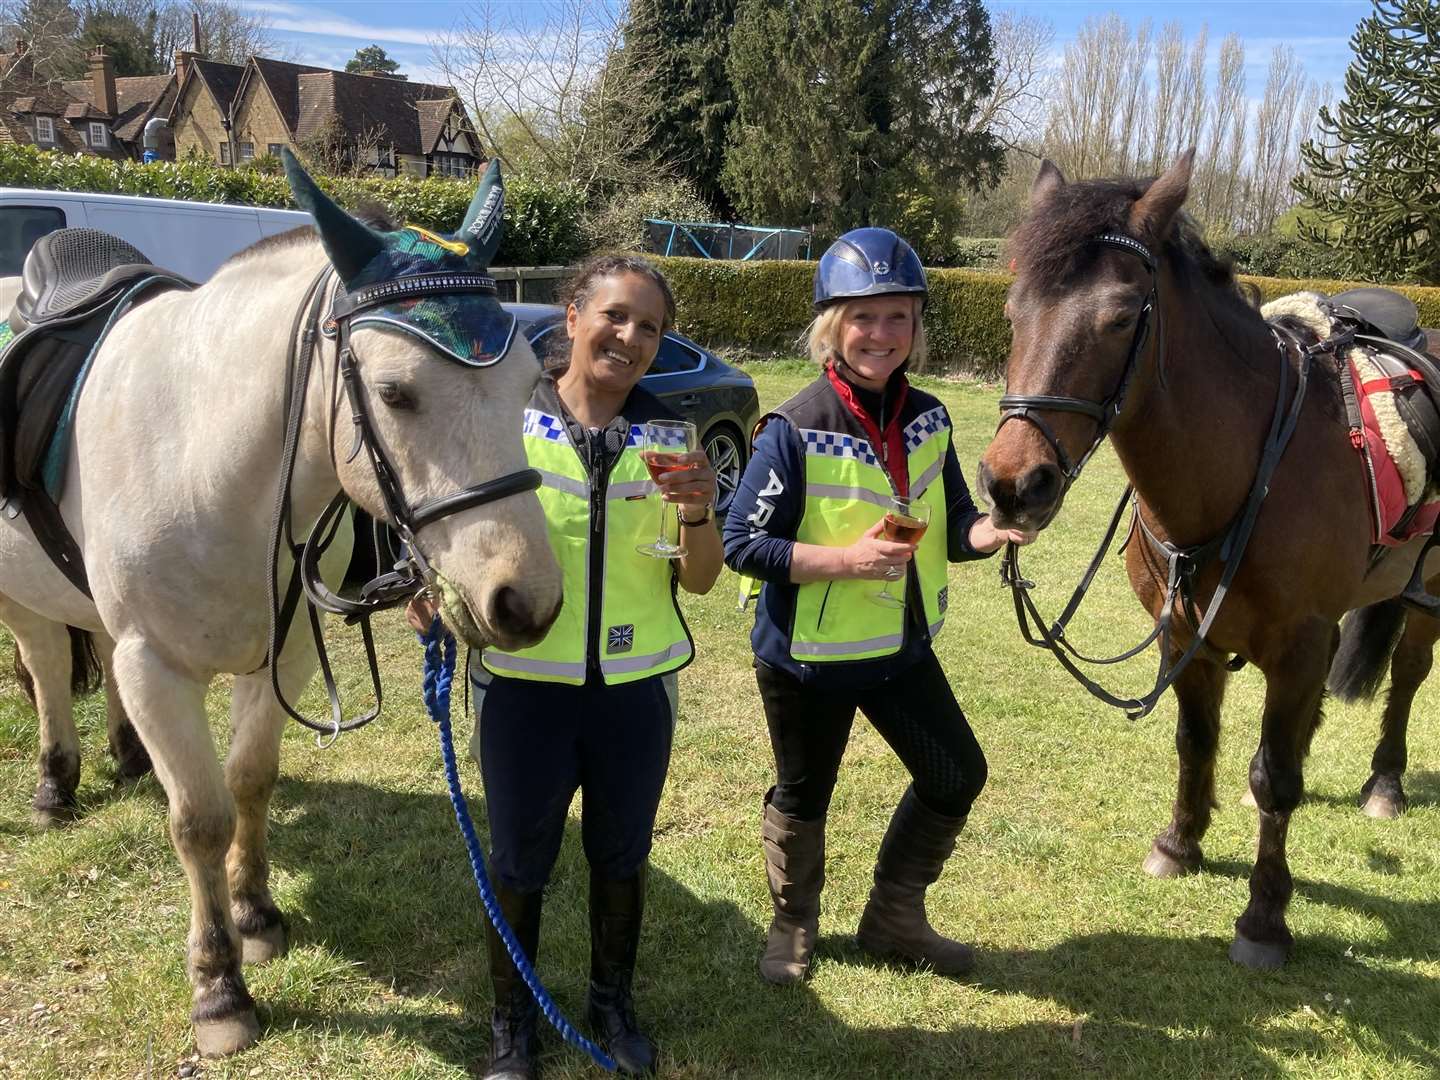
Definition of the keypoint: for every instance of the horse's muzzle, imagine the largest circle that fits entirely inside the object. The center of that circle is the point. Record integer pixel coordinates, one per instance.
(1028, 502)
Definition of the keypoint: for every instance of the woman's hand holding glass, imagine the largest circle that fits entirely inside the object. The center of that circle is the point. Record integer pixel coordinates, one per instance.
(874, 558)
(692, 486)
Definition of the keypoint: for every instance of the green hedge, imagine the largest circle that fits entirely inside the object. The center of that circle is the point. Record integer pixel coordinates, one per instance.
(765, 306)
(542, 220)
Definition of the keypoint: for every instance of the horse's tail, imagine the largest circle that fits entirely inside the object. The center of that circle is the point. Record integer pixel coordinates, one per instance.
(1367, 638)
(86, 674)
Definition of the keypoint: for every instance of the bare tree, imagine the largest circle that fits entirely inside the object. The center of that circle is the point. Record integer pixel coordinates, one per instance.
(1284, 118)
(1228, 107)
(1015, 108)
(546, 87)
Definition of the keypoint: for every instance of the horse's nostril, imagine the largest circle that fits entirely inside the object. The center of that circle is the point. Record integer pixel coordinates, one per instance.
(509, 608)
(985, 477)
(1039, 488)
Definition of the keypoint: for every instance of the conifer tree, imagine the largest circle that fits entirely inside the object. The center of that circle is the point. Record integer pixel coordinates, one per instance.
(841, 109)
(1373, 175)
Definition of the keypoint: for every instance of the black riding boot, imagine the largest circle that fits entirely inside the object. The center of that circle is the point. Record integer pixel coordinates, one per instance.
(514, 1046)
(616, 908)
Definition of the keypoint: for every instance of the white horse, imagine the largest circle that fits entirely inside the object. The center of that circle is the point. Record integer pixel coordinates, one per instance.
(175, 465)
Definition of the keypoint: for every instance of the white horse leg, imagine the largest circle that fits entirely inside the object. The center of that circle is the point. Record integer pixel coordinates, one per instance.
(43, 647)
(132, 761)
(256, 724)
(168, 708)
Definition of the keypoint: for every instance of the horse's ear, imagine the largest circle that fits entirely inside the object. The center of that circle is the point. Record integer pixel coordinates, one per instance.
(481, 228)
(1152, 213)
(1047, 181)
(351, 244)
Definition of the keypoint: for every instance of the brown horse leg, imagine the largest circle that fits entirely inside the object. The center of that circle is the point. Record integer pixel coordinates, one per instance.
(1199, 691)
(1294, 690)
(168, 708)
(1383, 795)
(132, 760)
(43, 647)
(256, 724)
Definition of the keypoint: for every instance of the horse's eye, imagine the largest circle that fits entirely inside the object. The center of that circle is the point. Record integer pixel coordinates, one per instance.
(1123, 322)
(395, 396)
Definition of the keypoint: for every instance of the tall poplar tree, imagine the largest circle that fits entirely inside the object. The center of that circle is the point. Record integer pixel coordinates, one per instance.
(844, 108)
(1373, 175)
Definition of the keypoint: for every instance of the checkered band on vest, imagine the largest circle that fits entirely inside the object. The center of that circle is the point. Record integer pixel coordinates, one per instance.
(837, 444)
(541, 425)
(923, 426)
(635, 438)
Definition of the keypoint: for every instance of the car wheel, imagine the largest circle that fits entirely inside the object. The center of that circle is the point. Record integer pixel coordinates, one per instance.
(727, 457)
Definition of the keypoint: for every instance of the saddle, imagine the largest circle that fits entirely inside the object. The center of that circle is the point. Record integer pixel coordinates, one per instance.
(74, 285)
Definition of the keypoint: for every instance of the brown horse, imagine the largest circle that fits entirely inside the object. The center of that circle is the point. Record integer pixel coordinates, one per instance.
(1203, 390)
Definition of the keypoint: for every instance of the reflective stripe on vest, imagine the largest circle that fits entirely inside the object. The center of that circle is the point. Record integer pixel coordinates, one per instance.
(846, 492)
(641, 630)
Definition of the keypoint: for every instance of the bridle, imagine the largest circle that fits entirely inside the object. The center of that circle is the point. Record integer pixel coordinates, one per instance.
(1104, 413)
(1182, 564)
(412, 572)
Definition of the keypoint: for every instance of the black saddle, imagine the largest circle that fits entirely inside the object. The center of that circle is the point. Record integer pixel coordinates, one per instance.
(1388, 313)
(72, 282)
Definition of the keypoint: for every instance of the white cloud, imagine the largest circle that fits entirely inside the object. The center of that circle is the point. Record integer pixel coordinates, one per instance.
(298, 19)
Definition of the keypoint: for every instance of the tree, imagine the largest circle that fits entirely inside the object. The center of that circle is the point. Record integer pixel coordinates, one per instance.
(842, 108)
(128, 42)
(1372, 167)
(373, 58)
(687, 43)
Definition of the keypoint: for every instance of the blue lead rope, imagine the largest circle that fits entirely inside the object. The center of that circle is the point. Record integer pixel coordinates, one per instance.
(439, 673)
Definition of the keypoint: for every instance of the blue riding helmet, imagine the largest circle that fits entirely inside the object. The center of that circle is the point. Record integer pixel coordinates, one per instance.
(868, 262)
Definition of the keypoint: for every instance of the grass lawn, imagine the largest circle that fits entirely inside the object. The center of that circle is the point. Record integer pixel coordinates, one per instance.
(1088, 968)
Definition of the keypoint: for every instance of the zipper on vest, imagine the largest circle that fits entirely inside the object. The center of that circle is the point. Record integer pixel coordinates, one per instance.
(820, 618)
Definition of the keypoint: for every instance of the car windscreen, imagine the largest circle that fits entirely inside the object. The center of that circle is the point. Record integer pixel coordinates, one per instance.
(20, 227)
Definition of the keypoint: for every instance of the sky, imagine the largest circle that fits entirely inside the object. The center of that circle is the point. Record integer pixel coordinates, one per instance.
(327, 32)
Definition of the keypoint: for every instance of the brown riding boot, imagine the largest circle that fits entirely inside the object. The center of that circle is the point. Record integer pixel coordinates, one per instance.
(795, 867)
(894, 925)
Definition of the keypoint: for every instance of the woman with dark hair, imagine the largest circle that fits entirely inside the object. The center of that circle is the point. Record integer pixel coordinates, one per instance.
(854, 482)
(588, 708)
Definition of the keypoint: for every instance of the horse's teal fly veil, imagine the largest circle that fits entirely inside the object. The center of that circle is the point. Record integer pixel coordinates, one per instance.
(458, 314)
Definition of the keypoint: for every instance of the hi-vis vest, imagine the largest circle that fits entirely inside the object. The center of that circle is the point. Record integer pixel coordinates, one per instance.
(846, 492)
(641, 630)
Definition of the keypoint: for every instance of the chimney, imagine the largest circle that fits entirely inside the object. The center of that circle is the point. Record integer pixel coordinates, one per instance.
(21, 47)
(195, 42)
(182, 64)
(102, 81)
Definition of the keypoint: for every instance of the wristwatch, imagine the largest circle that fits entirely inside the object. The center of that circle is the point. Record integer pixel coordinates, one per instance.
(709, 507)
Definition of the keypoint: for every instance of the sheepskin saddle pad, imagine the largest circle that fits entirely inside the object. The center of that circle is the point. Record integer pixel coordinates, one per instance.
(1390, 392)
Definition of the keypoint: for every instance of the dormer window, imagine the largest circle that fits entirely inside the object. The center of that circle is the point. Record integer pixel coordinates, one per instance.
(44, 129)
(99, 134)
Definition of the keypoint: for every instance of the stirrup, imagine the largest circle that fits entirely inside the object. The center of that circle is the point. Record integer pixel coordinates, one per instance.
(1415, 595)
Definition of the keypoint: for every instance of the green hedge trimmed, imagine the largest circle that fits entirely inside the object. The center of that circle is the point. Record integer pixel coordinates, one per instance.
(542, 220)
(765, 307)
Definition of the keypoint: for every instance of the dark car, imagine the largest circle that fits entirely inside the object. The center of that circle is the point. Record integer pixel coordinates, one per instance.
(694, 382)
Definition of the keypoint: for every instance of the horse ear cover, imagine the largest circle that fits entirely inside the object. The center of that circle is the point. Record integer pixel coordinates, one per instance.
(351, 244)
(481, 227)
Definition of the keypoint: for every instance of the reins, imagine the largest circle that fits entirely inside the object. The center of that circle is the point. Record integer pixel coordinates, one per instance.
(412, 573)
(1182, 564)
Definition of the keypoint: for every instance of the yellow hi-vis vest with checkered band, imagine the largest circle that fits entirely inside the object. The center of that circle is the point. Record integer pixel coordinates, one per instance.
(641, 630)
(846, 492)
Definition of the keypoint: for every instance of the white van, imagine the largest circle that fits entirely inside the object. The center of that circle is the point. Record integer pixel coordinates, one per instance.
(191, 238)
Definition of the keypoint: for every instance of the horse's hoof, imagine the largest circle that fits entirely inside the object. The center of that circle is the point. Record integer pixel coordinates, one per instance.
(1248, 799)
(53, 817)
(264, 945)
(1259, 955)
(1159, 864)
(1382, 806)
(227, 1035)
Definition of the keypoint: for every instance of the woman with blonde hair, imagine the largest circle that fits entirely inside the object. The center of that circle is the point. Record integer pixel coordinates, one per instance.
(854, 481)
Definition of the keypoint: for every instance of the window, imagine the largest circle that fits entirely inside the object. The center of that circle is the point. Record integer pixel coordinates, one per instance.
(99, 134)
(20, 227)
(44, 129)
(451, 165)
(274, 148)
(674, 357)
(224, 153)
(247, 151)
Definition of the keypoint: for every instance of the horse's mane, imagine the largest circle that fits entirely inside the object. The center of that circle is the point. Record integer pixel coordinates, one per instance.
(1052, 243)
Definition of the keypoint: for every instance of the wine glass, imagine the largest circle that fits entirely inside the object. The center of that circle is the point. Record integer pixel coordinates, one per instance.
(666, 446)
(905, 523)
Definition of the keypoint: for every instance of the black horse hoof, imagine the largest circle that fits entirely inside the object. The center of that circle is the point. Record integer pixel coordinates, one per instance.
(1259, 955)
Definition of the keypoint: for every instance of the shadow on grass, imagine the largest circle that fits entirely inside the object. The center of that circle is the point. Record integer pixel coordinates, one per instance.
(383, 882)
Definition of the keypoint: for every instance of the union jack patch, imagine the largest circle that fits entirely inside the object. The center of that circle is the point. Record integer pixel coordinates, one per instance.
(620, 638)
